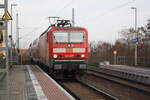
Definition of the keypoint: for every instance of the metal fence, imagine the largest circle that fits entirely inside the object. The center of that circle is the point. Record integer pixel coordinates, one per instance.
(124, 60)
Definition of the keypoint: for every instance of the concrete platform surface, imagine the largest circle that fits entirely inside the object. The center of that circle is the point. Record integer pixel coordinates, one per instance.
(29, 82)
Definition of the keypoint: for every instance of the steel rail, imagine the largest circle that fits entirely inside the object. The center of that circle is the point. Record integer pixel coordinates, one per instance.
(98, 90)
(117, 80)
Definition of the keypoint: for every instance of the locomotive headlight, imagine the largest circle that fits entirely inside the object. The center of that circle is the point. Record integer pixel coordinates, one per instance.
(55, 56)
(83, 55)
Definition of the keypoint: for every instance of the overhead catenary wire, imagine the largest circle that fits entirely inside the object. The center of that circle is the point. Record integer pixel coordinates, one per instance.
(108, 11)
(59, 11)
(102, 14)
(34, 30)
(85, 20)
(40, 27)
(66, 5)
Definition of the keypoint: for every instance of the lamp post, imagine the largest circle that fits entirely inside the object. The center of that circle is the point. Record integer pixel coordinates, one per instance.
(12, 5)
(17, 36)
(135, 52)
(11, 34)
(115, 57)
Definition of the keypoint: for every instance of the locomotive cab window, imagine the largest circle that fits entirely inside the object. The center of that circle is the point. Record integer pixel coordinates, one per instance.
(61, 37)
(69, 36)
(76, 37)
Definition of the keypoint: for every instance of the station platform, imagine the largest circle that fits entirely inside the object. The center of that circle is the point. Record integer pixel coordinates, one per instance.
(132, 69)
(141, 75)
(29, 82)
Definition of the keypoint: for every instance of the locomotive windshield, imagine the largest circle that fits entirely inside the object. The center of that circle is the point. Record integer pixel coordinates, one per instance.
(69, 36)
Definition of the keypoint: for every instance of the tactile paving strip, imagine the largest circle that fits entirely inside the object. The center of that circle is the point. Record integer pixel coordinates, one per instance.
(50, 89)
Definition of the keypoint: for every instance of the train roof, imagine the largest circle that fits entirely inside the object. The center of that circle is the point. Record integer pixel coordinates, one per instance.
(55, 28)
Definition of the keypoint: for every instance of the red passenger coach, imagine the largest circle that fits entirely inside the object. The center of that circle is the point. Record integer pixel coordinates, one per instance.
(63, 49)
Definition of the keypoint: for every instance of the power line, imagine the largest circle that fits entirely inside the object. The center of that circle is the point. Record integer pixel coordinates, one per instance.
(35, 29)
(30, 32)
(59, 11)
(110, 11)
(66, 5)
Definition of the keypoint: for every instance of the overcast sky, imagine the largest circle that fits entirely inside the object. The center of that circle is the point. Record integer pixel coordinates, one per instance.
(102, 18)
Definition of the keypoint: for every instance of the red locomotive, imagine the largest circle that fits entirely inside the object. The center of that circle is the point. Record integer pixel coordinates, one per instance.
(62, 48)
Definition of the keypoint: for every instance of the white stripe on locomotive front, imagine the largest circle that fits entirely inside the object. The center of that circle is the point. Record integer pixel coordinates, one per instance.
(79, 50)
(63, 50)
(59, 50)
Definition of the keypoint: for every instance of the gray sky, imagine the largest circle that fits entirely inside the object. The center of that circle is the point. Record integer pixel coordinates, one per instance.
(102, 18)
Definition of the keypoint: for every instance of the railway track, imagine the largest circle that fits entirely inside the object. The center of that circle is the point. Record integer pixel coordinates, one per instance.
(95, 85)
(120, 88)
(125, 82)
(82, 91)
(138, 75)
